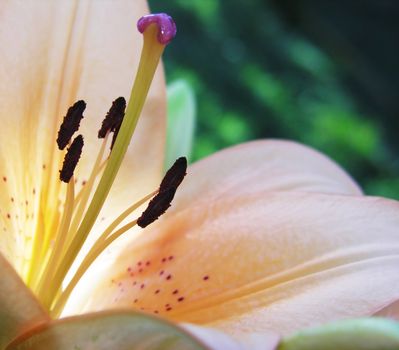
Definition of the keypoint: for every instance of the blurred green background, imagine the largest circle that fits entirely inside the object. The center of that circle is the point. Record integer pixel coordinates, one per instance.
(321, 72)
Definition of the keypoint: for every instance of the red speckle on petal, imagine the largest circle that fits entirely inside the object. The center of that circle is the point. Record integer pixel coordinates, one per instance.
(148, 263)
(157, 291)
(171, 257)
(169, 277)
(180, 299)
(205, 278)
(4, 179)
(175, 292)
(142, 286)
(161, 273)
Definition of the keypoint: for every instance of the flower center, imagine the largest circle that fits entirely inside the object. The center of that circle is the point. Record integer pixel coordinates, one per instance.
(54, 252)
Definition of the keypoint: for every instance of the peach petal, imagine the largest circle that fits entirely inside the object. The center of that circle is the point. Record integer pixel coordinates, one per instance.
(391, 311)
(260, 257)
(265, 165)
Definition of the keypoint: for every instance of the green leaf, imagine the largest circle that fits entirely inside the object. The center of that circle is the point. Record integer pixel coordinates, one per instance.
(360, 334)
(121, 330)
(181, 121)
(19, 309)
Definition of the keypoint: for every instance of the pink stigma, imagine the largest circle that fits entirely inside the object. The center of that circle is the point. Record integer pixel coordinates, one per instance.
(165, 23)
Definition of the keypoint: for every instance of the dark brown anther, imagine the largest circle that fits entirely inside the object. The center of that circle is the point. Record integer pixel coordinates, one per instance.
(71, 159)
(162, 201)
(114, 136)
(157, 206)
(175, 175)
(70, 124)
(114, 117)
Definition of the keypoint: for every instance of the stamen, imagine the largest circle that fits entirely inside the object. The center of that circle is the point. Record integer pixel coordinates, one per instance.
(175, 175)
(71, 159)
(157, 206)
(114, 224)
(167, 189)
(106, 238)
(67, 228)
(114, 117)
(155, 39)
(82, 198)
(70, 124)
(97, 172)
(49, 215)
(61, 236)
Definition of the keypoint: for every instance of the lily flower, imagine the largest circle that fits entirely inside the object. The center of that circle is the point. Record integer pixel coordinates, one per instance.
(266, 236)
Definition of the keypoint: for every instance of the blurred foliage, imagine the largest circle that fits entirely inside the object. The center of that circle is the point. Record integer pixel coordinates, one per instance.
(320, 72)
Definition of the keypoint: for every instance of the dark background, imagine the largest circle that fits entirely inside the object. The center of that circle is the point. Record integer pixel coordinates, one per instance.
(321, 72)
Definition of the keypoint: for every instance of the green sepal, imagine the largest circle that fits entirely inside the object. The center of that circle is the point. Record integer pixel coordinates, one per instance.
(358, 334)
(122, 330)
(19, 309)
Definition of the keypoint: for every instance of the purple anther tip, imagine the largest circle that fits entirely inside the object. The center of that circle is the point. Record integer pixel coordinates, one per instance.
(165, 23)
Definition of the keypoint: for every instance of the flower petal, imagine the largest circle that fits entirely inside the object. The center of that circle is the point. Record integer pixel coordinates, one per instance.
(248, 168)
(19, 310)
(57, 53)
(272, 165)
(107, 330)
(217, 340)
(277, 261)
(391, 311)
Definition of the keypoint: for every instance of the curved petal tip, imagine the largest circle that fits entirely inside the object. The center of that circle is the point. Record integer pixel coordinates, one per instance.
(165, 23)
